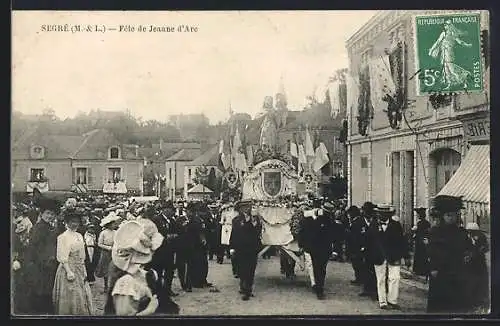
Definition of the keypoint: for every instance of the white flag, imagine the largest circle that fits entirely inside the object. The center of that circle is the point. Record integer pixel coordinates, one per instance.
(381, 82)
(321, 157)
(352, 93)
(221, 146)
(293, 149)
(302, 155)
(309, 145)
(334, 92)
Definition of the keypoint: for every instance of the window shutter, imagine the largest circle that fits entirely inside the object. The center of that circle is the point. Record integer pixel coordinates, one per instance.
(73, 175)
(388, 177)
(90, 180)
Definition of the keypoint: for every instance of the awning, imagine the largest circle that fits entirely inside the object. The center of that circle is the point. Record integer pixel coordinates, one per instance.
(472, 179)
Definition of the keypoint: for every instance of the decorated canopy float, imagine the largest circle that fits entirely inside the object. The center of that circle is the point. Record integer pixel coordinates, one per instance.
(266, 184)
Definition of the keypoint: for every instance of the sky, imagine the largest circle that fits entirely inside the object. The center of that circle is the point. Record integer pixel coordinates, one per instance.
(233, 59)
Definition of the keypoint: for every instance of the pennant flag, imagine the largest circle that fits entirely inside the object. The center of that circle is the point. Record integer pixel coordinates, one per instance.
(238, 158)
(352, 93)
(225, 160)
(250, 155)
(334, 100)
(293, 147)
(381, 82)
(294, 152)
(321, 157)
(308, 146)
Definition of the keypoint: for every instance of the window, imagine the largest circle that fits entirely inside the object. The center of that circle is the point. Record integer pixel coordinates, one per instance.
(444, 164)
(81, 176)
(37, 175)
(114, 152)
(364, 162)
(114, 175)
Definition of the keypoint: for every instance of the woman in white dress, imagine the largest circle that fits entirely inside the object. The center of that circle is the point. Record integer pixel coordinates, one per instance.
(71, 294)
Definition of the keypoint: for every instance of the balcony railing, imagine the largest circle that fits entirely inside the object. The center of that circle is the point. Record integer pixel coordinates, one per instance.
(42, 186)
(119, 187)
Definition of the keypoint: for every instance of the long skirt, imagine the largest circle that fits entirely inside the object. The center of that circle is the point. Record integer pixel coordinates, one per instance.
(72, 298)
(102, 268)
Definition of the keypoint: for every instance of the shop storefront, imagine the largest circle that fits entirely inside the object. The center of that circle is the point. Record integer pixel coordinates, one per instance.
(471, 180)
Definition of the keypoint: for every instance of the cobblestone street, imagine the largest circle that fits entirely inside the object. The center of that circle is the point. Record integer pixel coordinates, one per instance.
(275, 295)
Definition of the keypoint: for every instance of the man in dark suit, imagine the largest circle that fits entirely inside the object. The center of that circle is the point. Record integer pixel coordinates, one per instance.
(316, 237)
(245, 242)
(163, 259)
(421, 235)
(367, 268)
(354, 244)
(387, 245)
(450, 252)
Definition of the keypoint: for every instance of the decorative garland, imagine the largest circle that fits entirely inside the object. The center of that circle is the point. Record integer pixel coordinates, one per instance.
(296, 223)
(364, 105)
(395, 105)
(440, 100)
(262, 155)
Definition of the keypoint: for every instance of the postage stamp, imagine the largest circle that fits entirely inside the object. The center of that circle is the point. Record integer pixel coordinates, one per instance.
(448, 53)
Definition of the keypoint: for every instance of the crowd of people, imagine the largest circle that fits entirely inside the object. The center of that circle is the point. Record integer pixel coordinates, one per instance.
(60, 249)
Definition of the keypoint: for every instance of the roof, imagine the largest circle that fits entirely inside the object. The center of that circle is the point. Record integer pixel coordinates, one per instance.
(56, 146)
(186, 154)
(96, 145)
(155, 154)
(471, 181)
(92, 145)
(199, 189)
(209, 158)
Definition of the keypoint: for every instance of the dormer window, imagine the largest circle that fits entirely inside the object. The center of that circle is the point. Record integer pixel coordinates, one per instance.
(37, 152)
(114, 152)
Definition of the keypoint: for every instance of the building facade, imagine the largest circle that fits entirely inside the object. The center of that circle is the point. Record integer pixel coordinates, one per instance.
(207, 161)
(174, 167)
(92, 162)
(408, 163)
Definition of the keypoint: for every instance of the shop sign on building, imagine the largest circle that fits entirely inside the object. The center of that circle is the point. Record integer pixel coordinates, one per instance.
(477, 130)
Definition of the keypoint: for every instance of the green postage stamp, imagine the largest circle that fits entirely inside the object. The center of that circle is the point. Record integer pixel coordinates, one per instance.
(448, 53)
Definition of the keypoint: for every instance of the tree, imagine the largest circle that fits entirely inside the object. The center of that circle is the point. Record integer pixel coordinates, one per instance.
(201, 176)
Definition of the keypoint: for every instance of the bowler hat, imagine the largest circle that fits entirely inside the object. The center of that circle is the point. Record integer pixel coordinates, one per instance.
(447, 204)
(421, 211)
(368, 206)
(243, 203)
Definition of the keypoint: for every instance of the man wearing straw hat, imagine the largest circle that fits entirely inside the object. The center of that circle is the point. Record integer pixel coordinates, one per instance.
(387, 246)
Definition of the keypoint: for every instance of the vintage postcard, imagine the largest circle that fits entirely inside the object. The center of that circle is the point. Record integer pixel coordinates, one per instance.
(250, 163)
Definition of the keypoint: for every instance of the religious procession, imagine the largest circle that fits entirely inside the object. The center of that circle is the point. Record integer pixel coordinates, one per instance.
(370, 200)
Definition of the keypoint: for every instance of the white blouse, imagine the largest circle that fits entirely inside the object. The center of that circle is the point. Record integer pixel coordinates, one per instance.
(70, 243)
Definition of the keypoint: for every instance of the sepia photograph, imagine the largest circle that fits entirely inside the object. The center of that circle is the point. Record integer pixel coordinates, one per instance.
(250, 163)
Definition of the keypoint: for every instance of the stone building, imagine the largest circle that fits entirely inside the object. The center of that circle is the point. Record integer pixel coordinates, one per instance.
(95, 161)
(411, 161)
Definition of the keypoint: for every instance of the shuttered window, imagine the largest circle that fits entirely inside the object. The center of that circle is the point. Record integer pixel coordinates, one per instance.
(364, 162)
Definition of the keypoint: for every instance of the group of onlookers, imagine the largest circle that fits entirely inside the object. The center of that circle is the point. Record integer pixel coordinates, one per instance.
(60, 249)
